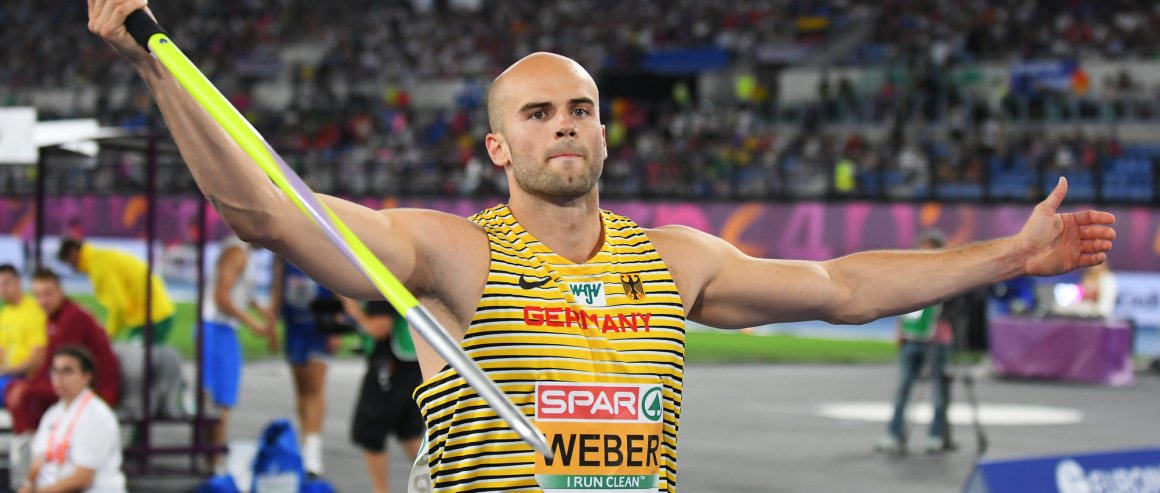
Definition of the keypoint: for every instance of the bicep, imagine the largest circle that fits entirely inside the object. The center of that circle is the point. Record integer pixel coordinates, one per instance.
(387, 234)
(750, 292)
(725, 288)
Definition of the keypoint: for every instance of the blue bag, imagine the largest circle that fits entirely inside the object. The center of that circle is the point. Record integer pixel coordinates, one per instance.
(278, 462)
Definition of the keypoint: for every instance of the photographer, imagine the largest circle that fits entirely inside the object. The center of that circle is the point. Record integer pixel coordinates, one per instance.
(385, 406)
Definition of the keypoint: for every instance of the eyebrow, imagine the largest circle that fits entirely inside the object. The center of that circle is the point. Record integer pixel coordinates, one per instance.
(544, 104)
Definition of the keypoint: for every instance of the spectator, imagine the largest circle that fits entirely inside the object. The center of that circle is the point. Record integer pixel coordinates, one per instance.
(77, 447)
(119, 284)
(385, 405)
(230, 294)
(22, 330)
(924, 339)
(68, 325)
(308, 309)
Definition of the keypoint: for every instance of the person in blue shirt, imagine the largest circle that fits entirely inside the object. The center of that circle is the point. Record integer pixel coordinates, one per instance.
(310, 314)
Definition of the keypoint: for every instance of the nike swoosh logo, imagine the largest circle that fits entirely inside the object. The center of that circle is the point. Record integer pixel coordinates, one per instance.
(525, 284)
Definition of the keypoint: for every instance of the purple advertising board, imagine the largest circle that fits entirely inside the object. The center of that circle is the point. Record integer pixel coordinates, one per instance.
(802, 230)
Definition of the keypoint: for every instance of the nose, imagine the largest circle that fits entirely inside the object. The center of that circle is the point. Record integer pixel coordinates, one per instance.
(567, 128)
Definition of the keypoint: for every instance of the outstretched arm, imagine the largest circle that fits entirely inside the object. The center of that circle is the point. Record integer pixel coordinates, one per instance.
(246, 199)
(723, 287)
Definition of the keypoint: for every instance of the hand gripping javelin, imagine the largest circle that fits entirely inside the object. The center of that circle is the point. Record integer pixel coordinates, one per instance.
(150, 36)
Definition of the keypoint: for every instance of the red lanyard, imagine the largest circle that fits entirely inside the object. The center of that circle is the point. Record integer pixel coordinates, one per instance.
(57, 451)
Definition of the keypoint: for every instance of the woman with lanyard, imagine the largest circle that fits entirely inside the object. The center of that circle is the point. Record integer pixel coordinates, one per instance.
(78, 444)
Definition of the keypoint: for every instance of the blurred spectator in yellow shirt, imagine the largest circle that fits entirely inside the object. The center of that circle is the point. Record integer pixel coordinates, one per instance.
(22, 330)
(119, 285)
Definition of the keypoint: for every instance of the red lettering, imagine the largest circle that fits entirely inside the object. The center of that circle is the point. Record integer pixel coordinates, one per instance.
(528, 311)
(587, 402)
(535, 316)
(609, 325)
(627, 321)
(552, 317)
(571, 316)
(586, 317)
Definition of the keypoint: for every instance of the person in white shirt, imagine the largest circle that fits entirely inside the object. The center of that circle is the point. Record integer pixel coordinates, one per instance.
(77, 447)
(230, 297)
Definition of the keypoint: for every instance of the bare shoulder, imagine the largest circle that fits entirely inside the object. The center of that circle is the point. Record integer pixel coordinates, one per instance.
(692, 256)
(427, 223)
(440, 239)
(451, 253)
(678, 240)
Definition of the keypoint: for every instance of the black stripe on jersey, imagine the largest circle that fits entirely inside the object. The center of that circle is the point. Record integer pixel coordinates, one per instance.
(512, 295)
(503, 427)
(485, 453)
(448, 471)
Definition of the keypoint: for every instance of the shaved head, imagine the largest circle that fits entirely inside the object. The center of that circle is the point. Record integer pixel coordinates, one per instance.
(544, 113)
(536, 66)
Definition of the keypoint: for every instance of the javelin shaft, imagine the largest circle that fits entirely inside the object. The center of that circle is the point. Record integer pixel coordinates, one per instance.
(148, 34)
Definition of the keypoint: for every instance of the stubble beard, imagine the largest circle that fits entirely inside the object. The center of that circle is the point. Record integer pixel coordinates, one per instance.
(539, 179)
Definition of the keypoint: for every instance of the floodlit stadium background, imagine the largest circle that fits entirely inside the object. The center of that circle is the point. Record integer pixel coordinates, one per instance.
(793, 129)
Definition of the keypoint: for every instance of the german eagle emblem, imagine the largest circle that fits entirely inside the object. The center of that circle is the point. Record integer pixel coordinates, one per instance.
(633, 287)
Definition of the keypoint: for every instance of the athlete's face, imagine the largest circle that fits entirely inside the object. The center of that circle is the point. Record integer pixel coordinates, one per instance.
(550, 138)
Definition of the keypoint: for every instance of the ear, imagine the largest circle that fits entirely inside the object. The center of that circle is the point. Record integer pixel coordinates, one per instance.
(604, 140)
(497, 149)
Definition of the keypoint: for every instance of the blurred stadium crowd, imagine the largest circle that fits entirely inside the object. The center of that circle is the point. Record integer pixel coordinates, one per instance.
(900, 99)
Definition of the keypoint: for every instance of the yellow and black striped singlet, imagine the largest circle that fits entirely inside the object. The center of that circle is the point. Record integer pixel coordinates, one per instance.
(593, 352)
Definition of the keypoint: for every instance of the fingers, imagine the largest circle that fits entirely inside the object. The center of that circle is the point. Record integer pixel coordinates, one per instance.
(1096, 232)
(1093, 217)
(1053, 201)
(1094, 246)
(106, 17)
(1090, 259)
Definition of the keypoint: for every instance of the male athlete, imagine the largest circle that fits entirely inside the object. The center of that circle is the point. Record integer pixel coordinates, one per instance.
(577, 313)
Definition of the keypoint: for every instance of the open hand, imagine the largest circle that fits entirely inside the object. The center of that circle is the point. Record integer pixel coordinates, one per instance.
(1056, 243)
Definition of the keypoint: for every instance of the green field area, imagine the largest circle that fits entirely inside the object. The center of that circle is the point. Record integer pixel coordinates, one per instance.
(737, 347)
(701, 346)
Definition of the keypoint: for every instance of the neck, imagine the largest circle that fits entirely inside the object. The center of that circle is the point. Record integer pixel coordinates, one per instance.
(15, 300)
(68, 400)
(570, 228)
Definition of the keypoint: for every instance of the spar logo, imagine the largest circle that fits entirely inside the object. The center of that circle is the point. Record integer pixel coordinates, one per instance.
(652, 405)
(591, 402)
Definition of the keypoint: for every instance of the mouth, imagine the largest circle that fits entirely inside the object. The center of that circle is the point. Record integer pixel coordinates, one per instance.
(565, 155)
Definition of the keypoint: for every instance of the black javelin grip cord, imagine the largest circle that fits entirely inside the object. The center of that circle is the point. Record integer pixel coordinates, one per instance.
(143, 28)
